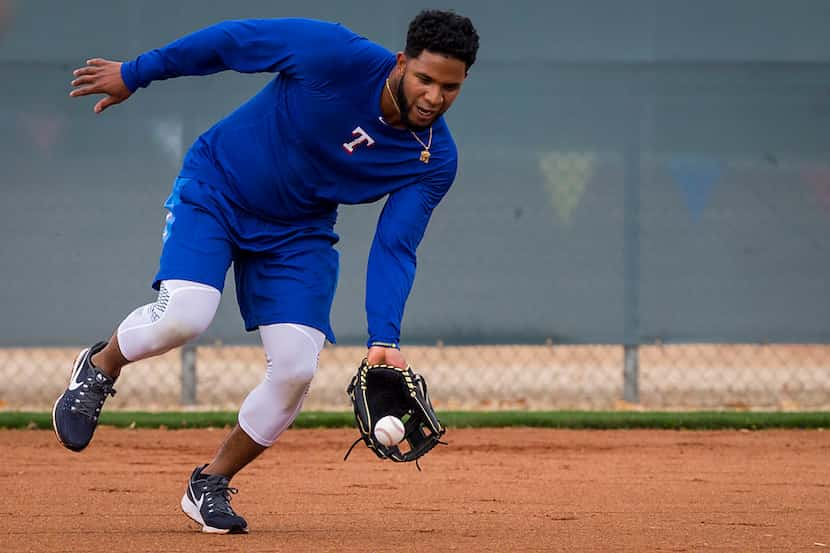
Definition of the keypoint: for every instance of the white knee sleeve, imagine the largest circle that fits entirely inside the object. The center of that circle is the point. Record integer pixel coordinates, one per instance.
(182, 311)
(291, 352)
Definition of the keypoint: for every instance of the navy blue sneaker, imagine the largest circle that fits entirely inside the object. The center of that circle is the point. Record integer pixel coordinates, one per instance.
(75, 414)
(207, 501)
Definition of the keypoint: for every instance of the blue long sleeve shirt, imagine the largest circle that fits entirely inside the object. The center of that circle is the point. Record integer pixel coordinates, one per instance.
(314, 138)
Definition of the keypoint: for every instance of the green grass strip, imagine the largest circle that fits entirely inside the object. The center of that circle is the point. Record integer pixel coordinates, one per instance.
(599, 420)
(607, 420)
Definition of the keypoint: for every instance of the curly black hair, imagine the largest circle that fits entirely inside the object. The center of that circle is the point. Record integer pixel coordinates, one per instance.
(442, 32)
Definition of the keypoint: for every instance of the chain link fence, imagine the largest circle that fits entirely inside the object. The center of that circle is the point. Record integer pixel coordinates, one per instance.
(664, 377)
(646, 202)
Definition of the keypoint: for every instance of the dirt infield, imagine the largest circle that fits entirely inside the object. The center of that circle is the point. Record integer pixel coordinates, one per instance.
(491, 490)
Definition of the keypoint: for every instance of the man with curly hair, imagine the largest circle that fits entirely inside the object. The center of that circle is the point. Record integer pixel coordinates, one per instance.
(344, 121)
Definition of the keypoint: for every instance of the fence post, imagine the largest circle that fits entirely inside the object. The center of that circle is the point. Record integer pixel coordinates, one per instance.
(631, 374)
(632, 162)
(188, 376)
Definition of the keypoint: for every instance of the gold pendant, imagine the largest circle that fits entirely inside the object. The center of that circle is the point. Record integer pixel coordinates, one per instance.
(425, 156)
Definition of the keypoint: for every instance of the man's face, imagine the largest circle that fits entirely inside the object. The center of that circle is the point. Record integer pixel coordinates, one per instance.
(428, 86)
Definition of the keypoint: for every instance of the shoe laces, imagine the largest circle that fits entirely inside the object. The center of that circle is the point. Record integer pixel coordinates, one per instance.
(218, 494)
(93, 393)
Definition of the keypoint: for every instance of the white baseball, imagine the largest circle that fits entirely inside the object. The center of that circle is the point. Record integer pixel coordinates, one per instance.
(389, 430)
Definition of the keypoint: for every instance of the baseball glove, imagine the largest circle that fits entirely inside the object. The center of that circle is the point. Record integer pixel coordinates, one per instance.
(380, 390)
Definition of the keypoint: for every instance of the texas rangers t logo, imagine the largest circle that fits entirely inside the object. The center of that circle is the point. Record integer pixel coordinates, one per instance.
(362, 136)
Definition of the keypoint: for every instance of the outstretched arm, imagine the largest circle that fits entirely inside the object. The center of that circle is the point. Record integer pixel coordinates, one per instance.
(297, 47)
(392, 261)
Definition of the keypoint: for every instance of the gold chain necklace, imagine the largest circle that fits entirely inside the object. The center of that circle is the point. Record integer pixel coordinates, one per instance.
(425, 152)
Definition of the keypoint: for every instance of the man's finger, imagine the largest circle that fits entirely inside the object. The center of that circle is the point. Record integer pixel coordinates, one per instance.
(96, 61)
(83, 91)
(88, 70)
(83, 79)
(104, 104)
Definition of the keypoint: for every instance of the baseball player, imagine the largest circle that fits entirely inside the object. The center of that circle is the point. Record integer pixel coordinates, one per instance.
(344, 121)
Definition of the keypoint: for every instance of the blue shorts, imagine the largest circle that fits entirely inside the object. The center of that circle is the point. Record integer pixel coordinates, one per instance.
(285, 273)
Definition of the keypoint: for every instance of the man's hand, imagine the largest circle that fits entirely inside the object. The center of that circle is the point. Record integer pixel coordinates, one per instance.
(100, 76)
(379, 355)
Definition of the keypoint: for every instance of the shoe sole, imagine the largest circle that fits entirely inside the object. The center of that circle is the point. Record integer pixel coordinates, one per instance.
(55, 406)
(192, 511)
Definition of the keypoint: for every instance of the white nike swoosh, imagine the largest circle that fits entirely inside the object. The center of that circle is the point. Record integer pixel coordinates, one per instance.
(193, 494)
(73, 380)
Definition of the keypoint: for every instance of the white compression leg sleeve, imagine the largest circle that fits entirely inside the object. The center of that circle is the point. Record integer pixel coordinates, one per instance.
(291, 352)
(182, 311)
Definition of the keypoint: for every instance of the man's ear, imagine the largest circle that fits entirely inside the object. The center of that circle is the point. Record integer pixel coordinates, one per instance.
(400, 60)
